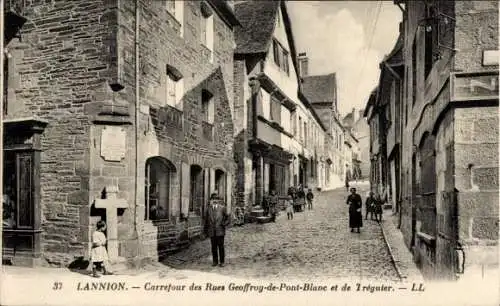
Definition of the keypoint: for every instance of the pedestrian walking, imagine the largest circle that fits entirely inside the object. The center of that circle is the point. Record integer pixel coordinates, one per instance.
(355, 215)
(370, 205)
(216, 221)
(99, 253)
(273, 205)
(289, 208)
(301, 199)
(309, 197)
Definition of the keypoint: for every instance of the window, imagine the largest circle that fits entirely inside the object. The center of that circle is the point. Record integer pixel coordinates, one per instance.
(5, 83)
(266, 104)
(207, 28)
(197, 189)
(159, 173)
(276, 52)
(176, 9)
(305, 133)
(207, 106)
(174, 88)
(414, 71)
(280, 56)
(300, 129)
(293, 123)
(18, 202)
(430, 39)
(275, 114)
(220, 184)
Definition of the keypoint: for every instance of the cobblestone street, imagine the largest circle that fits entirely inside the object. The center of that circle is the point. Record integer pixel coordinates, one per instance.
(316, 244)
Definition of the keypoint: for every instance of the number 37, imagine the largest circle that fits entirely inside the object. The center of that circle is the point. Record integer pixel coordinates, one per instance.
(57, 286)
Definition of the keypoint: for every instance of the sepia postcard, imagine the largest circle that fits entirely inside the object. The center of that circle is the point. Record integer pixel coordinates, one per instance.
(218, 152)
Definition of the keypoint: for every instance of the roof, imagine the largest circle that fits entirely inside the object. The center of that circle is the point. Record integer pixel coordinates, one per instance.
(395, 56)
(320, 88)
(370, 102)
(257, 19)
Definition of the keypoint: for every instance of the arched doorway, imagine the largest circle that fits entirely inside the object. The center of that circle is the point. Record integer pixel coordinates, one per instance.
(220, 184)
(159, 172)
(197, 189)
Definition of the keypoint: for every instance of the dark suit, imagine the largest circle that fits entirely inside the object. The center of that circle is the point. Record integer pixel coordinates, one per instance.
(216, 220)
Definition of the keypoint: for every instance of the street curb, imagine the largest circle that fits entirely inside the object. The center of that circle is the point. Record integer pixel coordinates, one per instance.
(396, 266)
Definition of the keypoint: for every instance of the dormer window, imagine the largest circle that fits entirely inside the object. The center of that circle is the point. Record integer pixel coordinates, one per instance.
(207, 28)
(207, 106)
(280, 56)
(175, 87)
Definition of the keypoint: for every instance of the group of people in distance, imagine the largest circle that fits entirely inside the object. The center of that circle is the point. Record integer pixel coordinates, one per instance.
(373, 206)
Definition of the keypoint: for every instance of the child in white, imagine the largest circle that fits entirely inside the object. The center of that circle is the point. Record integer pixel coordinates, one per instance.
(289, 208)
(99, 254)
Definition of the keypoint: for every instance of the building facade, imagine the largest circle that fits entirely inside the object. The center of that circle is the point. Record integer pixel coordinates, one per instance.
(357, 124)
(448, 176)
(125, 109)
(280, 139)
(321, 91)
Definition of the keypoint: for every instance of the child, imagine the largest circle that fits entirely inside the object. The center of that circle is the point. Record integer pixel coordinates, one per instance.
(289, 208)
(99, 254)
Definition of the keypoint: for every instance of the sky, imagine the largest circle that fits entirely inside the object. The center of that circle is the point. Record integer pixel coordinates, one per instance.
(345, 37)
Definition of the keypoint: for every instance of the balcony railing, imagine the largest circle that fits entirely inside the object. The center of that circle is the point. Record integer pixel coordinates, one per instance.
(167, 117)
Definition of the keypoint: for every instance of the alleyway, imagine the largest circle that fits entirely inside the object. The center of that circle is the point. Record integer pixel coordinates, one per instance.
(315, 244)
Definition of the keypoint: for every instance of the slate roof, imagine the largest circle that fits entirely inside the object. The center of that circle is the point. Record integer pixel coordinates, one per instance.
(257, 19)
(395, 56)
(320, 88)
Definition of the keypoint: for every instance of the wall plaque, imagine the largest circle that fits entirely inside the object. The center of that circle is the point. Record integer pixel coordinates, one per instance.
(490, 57)
(113, 143)
(474, 86)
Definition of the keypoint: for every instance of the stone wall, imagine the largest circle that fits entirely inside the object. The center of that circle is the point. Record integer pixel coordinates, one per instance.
(177, 134)
(476, 31)
(56, 69)
(75, 68)
(476, 179)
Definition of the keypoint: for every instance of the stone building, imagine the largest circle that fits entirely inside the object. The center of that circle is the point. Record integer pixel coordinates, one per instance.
(321, 91)
(375, 116)
(449, 135)
(351, 156)
(280, 139)
(357, 124)
(116, 110)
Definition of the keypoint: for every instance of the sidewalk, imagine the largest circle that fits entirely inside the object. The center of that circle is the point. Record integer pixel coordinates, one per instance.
(401, 256)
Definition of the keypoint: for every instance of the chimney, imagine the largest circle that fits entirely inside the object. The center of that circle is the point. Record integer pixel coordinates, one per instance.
(303, 64)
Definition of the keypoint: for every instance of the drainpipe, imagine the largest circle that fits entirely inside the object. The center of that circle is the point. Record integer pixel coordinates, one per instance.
(136, 117)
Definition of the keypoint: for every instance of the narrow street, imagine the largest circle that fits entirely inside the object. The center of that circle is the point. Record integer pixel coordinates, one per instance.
(315, 244)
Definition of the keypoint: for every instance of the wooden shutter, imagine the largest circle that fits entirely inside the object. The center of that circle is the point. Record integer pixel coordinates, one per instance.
(185, 186)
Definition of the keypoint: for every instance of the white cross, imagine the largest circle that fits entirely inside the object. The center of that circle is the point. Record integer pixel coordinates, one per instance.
(111, 204)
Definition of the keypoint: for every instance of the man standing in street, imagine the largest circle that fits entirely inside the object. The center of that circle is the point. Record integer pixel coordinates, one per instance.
(216, 221)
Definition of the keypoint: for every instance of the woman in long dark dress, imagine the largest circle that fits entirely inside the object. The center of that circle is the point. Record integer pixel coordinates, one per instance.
(355, 216)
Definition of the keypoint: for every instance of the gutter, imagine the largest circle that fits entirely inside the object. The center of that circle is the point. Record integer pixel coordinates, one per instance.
(136, 117)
